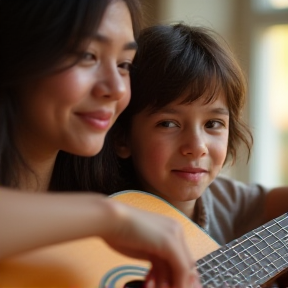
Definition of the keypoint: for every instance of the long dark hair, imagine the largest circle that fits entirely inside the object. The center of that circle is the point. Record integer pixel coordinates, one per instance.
(170, 60)
(35, 37)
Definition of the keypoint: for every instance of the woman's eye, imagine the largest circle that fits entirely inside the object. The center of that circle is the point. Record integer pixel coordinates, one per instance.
(88, 56)
(214, 124)
(167, 124)
(126, 65)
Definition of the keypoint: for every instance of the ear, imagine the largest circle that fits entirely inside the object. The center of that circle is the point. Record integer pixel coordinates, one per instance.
(121, 144)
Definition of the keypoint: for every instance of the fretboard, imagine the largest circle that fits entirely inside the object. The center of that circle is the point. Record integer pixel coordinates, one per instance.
(249, 261)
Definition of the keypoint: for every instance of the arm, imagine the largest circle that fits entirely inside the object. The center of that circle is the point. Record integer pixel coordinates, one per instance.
(45, 219)
(276, 202)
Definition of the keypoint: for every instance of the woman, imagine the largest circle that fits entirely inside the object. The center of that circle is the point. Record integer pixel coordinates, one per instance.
(64, 81)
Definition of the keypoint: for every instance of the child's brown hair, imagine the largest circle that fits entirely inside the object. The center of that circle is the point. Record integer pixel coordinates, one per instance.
(170, 60)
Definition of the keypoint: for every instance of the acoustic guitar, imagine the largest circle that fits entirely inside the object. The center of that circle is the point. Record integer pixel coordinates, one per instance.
(253, 260)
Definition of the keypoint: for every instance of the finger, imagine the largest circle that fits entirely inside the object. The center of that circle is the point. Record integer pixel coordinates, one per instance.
(187, 276)
(150, 280)
(180, 259)
(161, 272)
(194, 278)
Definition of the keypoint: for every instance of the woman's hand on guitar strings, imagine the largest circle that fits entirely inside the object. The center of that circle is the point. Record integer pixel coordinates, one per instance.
(156, 238)
(162, 282)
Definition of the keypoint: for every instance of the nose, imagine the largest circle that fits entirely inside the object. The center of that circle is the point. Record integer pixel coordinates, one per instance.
(111, 84)
(194, 144)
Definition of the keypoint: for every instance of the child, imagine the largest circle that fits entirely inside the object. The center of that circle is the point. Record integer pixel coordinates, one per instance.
(182, 125)
(64, 81)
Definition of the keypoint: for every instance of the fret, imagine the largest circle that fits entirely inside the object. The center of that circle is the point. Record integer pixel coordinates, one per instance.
(249, 261)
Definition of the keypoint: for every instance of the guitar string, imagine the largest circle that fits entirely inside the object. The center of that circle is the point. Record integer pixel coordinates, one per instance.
(245, 250)
(250, 275)
(268, 228)
(249, 253)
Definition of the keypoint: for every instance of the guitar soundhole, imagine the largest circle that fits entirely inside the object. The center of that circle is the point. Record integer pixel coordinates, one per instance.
(135, 284)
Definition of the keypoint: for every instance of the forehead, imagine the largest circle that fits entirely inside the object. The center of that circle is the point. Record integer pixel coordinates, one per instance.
(116, 24)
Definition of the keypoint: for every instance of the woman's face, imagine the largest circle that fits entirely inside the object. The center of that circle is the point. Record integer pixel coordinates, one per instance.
(74, 109)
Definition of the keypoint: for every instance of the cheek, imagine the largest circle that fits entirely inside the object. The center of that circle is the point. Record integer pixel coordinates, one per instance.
(69, 86)
(64, 88)
(124, 101)
(53, 95)
(150, 156)
(219, 150)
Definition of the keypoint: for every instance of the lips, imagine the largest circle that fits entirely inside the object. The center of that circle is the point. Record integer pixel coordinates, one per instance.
(99, 120)
(192, 170)
(190, 173)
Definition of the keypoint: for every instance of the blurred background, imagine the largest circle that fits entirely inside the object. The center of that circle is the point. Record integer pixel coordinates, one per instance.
(257, 33)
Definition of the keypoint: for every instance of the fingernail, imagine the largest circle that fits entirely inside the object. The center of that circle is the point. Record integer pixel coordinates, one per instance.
(195, 282)
(150, 283)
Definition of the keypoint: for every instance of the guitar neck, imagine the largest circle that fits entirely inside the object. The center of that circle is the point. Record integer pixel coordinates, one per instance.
(249, 261)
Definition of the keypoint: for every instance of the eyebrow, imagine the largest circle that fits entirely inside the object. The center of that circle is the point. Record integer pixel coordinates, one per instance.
(103, 39)
(218, 110)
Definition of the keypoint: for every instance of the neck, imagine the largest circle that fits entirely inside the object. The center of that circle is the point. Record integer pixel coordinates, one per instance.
(186, 207)
(40, 161)
(37, 177)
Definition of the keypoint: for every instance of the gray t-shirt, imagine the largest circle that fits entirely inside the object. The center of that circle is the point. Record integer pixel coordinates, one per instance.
(228, 209)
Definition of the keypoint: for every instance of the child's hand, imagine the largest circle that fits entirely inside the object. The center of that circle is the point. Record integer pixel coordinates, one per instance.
(158, 239)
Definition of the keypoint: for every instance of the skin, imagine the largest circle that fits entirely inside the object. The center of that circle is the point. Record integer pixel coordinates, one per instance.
(180, 149)
(73, 111)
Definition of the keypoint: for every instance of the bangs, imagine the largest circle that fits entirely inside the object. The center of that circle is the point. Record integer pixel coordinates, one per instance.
(201, 87)
(204, 87)
(180, 63)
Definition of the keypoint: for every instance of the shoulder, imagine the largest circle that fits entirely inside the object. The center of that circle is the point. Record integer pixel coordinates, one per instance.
(237, 190)
(231, 208)
(239, 202)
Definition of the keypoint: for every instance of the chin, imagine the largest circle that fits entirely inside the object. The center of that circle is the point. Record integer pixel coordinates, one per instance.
(87, 150)
(190, 196)
(90, 152)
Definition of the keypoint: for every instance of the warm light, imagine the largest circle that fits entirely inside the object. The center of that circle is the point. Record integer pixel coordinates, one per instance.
(277, 60)
(279, 4)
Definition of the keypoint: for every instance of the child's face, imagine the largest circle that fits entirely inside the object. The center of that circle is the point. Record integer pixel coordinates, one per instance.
(178, 151)
(74, 109)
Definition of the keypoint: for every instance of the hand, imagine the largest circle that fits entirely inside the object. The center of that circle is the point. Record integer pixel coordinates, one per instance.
(159, 239)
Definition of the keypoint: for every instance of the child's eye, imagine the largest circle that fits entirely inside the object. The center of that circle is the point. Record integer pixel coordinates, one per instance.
(126, 65)
(214, 124)
(168, 124)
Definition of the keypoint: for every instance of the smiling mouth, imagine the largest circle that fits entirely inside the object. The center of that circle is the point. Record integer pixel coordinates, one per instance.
(96, 120)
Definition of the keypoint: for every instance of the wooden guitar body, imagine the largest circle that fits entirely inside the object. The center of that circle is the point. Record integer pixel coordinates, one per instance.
(91, 263)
